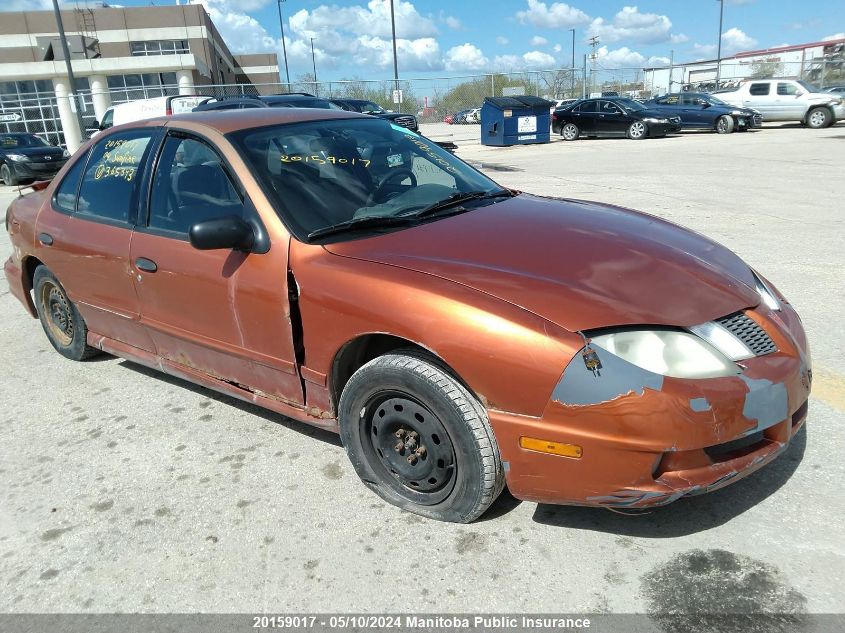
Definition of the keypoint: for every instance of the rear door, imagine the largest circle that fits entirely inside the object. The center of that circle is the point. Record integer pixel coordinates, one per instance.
(223, 313)
(759, 97)
(86, 233)
(584, 116)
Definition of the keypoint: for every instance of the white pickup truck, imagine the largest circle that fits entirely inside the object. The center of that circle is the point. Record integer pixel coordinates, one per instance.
(787, 100)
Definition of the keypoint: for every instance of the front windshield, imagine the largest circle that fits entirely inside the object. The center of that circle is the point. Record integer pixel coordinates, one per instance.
(369, 107)
(21, 140)
(809, 87)
(630, 104)
(322, 173)
(714, 100)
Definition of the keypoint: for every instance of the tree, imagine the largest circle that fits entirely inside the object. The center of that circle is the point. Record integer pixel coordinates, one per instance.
(763, 69)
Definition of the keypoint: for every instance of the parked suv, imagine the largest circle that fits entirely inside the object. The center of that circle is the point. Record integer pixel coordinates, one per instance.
(365, 106)
(787, 100)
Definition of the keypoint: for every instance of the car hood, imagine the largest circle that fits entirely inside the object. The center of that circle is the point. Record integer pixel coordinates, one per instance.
(580, 265)
(36, 153)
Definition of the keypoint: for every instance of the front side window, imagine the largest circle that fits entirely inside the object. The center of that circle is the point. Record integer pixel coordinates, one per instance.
(322, 173)
(108, 190)
(190, 186)
(668, 100)
(787, 89)
(608, 107)
(759, 89)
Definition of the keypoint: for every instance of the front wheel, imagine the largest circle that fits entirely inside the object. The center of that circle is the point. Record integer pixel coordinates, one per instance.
(7, 176)
(725, 124)
(637, 130)
(819, 118)
(62, 323)
(419, 439)
(570, 132)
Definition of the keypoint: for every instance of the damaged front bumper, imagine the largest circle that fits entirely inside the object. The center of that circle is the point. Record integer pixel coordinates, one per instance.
(641, 440)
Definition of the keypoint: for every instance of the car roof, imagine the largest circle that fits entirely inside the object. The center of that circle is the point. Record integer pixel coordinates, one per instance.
(225, 121)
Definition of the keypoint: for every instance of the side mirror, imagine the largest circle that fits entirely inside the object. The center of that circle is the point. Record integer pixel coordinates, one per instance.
(228, 232)
(96, 124)
(799, 94)
(703, 103)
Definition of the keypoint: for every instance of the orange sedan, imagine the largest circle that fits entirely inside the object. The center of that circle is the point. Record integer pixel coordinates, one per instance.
(460, 336)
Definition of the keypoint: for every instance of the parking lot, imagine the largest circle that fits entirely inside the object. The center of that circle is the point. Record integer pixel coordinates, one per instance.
(127, 490)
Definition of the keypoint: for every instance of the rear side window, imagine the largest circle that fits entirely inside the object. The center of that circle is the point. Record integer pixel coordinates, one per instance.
(65, 196)
(787, 89)
(588, 106)
(760, 89)
(108, 190)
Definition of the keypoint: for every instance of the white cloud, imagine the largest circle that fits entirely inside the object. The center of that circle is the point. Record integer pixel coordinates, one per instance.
(26, 5)
(734, 40)
(619, 58)
(557, 15)
(656, 61)
(242, 33)
(835, 36)
(374, 20)
(466, 57)
(557, 48)
(704, 50)
(531, 59)
(539, 41)
(629, 24)
(245, 6)
(678, 38)
(502, 40)
(452, 22)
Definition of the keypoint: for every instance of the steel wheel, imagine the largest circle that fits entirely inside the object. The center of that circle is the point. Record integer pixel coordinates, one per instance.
(59, 316)
(411, 445)
(637, 130)
(570, 132)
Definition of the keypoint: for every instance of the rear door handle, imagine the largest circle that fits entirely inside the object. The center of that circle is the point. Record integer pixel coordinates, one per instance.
(146, 265)
(46, 239)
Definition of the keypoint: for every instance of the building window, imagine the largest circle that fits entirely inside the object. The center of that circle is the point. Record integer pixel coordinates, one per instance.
(125, 88)
(159, 47)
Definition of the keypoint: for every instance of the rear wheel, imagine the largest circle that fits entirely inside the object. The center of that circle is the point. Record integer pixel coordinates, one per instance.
(7, 176)
(419, 439)
(818, 118)
(62, 323)
(570, 132)
(637, 130)
(725, 124)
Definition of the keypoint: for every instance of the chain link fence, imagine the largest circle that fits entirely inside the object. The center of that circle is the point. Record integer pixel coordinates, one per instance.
(437, 99)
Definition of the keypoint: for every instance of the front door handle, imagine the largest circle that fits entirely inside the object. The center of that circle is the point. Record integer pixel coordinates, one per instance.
(46, 239)
(146, 265)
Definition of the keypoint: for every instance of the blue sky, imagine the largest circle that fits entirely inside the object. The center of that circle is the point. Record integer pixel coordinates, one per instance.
(352, 38)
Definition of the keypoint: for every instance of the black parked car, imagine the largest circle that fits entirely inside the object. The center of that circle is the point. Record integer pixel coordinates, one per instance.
(702, 111)
(614, 116)
(365, 106)
(24, 156)
(287, 100)
(240, 102)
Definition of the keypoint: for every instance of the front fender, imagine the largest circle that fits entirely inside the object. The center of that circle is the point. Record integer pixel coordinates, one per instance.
(509, 357)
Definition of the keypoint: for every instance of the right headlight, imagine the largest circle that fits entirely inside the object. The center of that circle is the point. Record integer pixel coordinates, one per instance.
(668, 353)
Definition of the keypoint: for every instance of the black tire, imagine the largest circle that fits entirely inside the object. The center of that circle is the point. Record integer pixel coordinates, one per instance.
(64, 326)
(725, 124)
(569, 132)
(410, 401)
(638, 130)
(818, 118)
(7, 176)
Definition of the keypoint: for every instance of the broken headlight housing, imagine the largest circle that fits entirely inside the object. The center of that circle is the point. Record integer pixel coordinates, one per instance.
(667, 352)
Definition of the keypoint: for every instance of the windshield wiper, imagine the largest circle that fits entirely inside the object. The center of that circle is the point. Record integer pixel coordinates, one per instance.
(456, 199)
(365, 222)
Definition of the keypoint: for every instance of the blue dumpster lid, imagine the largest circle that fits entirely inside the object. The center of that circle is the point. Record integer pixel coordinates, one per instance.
(521, 101)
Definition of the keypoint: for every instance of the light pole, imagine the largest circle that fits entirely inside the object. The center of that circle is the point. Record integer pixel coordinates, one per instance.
(719, 44)
(284, 47)
(314, 65)
(573, 61)
(395, 62)
(72, 88)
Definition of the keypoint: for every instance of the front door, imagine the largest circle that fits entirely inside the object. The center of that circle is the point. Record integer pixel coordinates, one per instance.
(86, 233)
(221, 312)
(612, 119)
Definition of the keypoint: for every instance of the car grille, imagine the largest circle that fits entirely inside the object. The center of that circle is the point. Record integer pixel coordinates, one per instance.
(749, 332)
(46, 167)
(405, 121)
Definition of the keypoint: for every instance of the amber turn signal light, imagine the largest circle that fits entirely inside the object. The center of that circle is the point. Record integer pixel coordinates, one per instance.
(554, 448)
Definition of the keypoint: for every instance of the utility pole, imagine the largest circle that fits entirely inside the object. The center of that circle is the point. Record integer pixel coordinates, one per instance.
(573, 62)
(719, 44)
(395, 62)
(671, 68)
(584, 82)
(594, 42)
(74, 104)
(284, 46)
(314, 65)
